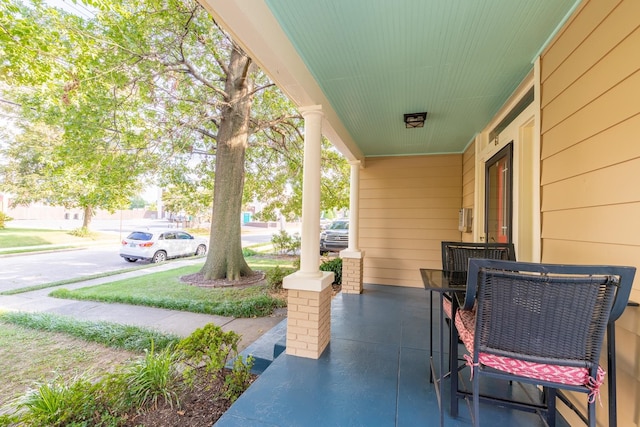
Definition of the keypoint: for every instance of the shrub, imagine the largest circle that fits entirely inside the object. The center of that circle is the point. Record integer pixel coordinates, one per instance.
(210, 348)
(334, 265)
(285, 243)
(247, 252)
(208, 345)
(60, 403)
(81, 232)
(4, 218)
(239, 379)
(276, 275)
(152, 378)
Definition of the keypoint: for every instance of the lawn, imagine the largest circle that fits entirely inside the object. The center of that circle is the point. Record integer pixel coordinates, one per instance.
(166, 290)
(27, 237)
(30, 356)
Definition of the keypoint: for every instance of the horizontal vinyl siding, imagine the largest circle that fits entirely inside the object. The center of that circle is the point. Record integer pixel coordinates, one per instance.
(408, 205)
(468, 183)
(590, 163)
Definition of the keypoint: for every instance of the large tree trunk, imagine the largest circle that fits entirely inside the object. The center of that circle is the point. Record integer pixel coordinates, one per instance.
(88, 216)
(225, 259)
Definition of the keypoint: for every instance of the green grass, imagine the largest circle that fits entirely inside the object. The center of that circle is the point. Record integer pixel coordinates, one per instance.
(166, 290)
(20, 237)
(74, 280)
(28, 237)
(114, 335)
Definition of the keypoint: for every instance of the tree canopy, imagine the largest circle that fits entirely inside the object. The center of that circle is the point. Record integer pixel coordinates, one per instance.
(152, 90)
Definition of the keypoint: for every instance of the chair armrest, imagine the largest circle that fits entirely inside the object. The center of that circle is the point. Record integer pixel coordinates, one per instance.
(472, 284)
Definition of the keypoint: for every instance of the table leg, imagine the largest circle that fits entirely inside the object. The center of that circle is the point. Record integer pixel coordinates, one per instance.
(611, 373)
(440, 361)
(453, 359)
(430, 333)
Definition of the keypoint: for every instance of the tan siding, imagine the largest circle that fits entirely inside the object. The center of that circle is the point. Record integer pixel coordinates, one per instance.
(408, 205)
(593, 50)
(619, 64)
(468, 183)
(590, 161)
(574, 33)
(606, 186)
(619, 103)
(595, 152)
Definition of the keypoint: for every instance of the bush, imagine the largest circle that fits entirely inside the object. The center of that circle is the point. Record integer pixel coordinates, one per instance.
(247, 252)
(81, 232)
(210, 348)
(151, 379)
(4, 218)
(285, 243)
(334, 265)
(276, 275)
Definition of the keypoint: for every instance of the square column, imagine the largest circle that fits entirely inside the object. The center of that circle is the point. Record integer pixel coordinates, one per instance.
(308, 313)
(352, 268)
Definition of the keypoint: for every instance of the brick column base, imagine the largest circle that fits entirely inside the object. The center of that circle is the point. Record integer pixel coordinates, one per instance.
(352, 268)
(308, 322)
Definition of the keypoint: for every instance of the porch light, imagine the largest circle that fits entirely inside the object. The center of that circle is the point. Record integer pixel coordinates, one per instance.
(415, 120)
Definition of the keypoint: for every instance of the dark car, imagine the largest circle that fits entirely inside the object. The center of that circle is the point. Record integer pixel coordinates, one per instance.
(335, 237)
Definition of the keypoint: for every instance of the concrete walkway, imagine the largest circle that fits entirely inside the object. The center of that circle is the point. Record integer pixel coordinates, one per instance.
(169, 321)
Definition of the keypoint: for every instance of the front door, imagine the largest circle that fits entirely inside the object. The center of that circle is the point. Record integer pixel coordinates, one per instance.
(498, 196)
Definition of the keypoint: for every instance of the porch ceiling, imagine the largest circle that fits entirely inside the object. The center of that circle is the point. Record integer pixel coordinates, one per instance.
(370, 62)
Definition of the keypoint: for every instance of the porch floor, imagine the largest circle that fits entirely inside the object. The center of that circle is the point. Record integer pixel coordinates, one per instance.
(374, 373)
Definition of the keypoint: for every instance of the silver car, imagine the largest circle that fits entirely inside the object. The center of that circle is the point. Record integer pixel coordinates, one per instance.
(158, 246)
(335, 237)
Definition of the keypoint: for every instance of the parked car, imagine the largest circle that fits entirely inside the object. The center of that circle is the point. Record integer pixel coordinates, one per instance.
(335, 237)
(158, 246)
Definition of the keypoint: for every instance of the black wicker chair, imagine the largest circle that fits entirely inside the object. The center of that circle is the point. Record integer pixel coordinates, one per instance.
(542, 324)
(456, 255)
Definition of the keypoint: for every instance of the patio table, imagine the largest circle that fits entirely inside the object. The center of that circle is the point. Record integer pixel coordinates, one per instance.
(445, 284)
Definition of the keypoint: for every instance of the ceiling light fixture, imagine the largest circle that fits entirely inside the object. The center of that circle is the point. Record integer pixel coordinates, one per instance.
(415, 120)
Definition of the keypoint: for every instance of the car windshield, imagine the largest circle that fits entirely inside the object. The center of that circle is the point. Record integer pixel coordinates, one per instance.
(339, 225)
(140, 235)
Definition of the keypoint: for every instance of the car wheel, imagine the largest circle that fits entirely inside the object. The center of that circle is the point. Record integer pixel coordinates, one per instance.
(202, 249)
(159, 256)
(131, 259)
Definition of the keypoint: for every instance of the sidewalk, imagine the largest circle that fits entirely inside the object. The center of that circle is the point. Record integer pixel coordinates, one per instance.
(181, 323)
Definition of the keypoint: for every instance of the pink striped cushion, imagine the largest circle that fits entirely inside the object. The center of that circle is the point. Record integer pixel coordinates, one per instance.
(465, 323)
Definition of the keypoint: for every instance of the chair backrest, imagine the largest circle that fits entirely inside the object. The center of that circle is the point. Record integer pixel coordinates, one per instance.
(546, 313)
(455, 255)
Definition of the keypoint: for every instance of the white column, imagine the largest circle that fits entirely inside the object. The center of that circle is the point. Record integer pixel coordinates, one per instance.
(310, 239)
(354, 206)
(309, 296)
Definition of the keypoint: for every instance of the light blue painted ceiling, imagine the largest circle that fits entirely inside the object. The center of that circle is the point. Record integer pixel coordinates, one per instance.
(376, 60)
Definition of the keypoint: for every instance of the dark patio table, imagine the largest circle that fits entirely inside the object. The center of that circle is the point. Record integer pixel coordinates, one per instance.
(449, 283)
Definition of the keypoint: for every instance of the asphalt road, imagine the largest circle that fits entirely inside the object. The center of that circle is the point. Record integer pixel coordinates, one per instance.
(18, 271)
(35, 269)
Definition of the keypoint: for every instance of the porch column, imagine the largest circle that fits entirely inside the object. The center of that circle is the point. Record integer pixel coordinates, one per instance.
(353, 257)
(309, 290)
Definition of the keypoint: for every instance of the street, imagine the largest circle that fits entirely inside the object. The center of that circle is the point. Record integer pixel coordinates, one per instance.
(38, 268)
(18, 271)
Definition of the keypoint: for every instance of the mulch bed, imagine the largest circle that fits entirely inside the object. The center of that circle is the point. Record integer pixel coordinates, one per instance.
(199, 406)
(198, 279)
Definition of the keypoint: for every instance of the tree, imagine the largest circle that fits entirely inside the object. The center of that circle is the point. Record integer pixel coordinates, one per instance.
(166, 82)
(41, 167)
(72, 151)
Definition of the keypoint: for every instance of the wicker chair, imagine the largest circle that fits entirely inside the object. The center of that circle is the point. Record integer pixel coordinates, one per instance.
(541, 324)
(455, 257)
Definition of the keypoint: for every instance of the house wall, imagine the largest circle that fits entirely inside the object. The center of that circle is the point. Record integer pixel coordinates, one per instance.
(590, 161)
(468, 183)
(408, 205)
